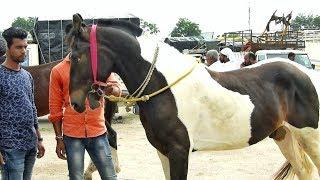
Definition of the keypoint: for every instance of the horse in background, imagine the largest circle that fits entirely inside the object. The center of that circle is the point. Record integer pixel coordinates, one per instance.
(229, 110)
(41, 78)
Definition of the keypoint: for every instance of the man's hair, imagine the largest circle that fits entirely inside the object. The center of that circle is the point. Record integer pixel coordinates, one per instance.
(3, 46)
(213, 54)
(291, 54)
(14, 32)
(251, 55)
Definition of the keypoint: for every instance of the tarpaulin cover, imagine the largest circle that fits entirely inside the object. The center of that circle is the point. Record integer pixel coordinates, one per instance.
(50, 35)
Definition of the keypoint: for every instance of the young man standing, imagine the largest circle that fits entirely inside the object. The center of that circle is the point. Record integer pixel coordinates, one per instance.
(77, 132)
(20, 139)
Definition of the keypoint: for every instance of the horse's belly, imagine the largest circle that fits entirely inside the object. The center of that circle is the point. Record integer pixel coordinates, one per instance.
(216, 118)
(209, 136)
(218, 122)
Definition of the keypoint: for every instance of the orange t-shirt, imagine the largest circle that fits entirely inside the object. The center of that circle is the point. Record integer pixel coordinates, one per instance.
(90, 123)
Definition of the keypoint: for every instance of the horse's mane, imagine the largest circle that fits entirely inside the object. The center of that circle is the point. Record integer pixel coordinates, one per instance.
(127, 26)
(122, 24)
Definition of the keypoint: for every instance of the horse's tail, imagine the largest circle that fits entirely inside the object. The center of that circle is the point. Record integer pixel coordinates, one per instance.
(286, 171)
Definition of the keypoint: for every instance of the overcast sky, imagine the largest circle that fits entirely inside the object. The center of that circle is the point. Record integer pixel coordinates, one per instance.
(212, 15)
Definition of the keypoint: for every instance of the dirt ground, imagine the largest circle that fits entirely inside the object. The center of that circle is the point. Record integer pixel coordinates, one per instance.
(139, 160)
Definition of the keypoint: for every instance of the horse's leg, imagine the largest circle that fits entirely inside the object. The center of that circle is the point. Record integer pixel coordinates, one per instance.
(165, 165)
(109, 112)
(112, 138)
(178, 160)
(90, 169)
(298, 160)
(309, 140)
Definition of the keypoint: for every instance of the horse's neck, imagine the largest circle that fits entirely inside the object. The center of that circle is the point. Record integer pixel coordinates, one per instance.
(134, 71)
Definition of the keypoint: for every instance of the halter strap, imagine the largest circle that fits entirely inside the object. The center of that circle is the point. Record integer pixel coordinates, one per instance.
(94, 56)
(94, 52)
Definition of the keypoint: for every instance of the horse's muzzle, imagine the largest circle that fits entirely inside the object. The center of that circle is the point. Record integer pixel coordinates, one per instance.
(78, 107)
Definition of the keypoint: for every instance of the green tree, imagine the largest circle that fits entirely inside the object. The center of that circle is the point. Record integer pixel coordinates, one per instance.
(316, 22)
(149, 27)
(302, 21)
(185, 27)
(25, 23)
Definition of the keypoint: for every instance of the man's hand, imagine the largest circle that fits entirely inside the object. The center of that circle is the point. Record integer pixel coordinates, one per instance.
(60, 149)
(41, 150)
(1, 159)
(112, 90)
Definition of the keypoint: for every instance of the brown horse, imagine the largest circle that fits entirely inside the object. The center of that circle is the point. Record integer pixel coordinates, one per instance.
(205, 110)
(41, 78)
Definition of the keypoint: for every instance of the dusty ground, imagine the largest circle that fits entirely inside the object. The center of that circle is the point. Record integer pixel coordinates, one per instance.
(139, 160)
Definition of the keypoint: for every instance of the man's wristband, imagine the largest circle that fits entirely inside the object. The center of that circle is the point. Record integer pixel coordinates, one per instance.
(40, 139)
(59, 137)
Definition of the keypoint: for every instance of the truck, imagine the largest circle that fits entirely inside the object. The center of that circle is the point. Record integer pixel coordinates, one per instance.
(301, 57)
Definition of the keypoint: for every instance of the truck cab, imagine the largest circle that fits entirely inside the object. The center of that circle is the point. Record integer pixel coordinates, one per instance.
(301, 57)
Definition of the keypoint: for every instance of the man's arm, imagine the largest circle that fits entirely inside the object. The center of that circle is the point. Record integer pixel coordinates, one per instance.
(56, 110)
(41, 149)
(115, 85)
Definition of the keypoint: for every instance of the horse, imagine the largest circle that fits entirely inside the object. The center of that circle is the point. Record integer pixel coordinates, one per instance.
(199, 109)
(41, 78)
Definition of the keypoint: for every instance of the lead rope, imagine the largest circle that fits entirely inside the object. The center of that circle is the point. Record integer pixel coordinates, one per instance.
(145, 82)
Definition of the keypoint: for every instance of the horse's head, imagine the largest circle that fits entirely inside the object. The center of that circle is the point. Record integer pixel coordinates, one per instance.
(115, 42)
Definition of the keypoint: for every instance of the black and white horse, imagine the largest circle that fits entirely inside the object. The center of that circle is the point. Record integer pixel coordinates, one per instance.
(205, 110)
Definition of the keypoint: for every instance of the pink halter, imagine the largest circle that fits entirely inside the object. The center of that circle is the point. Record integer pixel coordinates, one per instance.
(94, 53)
(94, 56)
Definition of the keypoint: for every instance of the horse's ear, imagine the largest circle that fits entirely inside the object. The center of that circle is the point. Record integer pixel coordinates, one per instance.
(77, 22)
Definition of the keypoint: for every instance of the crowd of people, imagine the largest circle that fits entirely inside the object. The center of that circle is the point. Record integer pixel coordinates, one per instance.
(225, 60)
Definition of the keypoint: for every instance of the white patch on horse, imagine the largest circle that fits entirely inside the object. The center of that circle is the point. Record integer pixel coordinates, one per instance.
(215, 117)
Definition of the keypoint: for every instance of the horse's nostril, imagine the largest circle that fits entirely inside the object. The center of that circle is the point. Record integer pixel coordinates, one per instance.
(74, 105)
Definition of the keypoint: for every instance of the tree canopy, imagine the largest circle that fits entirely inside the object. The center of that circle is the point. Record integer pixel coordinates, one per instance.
(185, 27)
(149, 27)
(303, 21)
(25, 23)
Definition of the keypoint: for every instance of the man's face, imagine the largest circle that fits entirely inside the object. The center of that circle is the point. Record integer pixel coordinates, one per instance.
(292, 58)
(210, 60)
(223, 58)
(18, 49)
(246, 58)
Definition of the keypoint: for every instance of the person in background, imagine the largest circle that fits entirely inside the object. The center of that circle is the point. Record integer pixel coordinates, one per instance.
(226, 61)
(211, 57)
(225, 55)
(291, 56)
(20, 139)
(77, 132)
(249, 59)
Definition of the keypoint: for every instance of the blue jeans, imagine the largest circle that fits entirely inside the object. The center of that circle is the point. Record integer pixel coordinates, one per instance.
(18, 164)
(99, 150)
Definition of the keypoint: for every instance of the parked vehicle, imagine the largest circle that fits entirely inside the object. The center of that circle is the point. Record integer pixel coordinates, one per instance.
(301, 57)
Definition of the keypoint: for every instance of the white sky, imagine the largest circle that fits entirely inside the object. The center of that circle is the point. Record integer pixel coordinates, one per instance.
(212, 15)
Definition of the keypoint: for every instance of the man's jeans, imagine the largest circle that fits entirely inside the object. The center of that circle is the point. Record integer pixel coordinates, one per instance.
(99, 150)
(18, 164)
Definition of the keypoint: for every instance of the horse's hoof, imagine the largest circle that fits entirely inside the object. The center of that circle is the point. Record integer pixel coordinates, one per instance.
(87, 177)
(118, 169)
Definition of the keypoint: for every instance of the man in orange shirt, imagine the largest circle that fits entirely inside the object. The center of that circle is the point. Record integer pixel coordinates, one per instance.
(77, 132)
